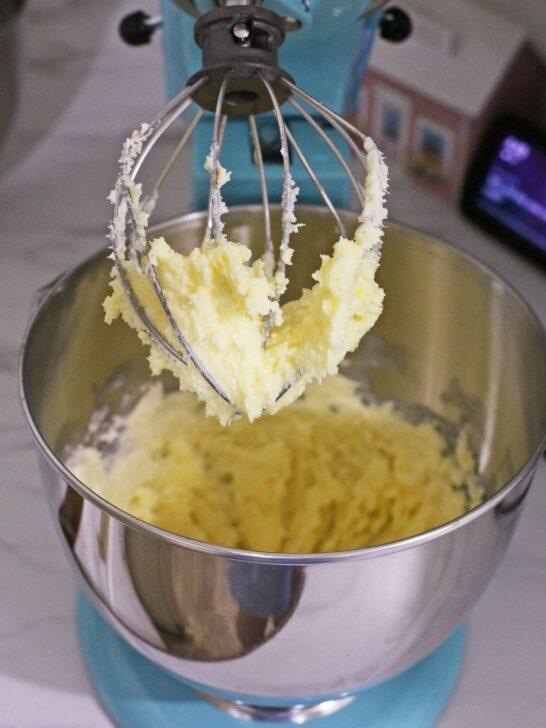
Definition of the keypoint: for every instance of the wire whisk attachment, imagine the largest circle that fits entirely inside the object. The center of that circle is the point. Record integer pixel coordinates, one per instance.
(240, 78)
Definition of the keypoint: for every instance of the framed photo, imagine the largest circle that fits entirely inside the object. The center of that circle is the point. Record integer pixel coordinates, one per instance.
(432, 150)
(390, 123)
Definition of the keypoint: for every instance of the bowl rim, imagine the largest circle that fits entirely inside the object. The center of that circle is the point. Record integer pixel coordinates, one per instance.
(274, 558)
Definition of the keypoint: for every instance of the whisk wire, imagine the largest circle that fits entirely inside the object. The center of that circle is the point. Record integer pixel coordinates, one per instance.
(347, 130)
(259, 161)
(163, 121)
(320, 131)
(152, 275)
(288, 191)
(178, 151)
(318, 184)
(215, 207)
(154, 333)
(215, 226)
(170, 105)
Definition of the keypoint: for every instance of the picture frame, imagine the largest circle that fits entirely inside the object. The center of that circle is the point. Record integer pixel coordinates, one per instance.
(390, 123)
(431, 151)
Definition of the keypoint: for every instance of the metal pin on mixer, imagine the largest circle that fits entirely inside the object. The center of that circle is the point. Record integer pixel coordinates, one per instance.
(240, 78)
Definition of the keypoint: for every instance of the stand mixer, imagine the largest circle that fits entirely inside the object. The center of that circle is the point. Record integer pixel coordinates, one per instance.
(326, 48)
(173, 629)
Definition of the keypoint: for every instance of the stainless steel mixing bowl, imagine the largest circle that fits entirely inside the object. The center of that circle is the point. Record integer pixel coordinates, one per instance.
(453, 337)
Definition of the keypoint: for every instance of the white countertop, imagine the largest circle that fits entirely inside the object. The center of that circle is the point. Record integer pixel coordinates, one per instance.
(84, 91)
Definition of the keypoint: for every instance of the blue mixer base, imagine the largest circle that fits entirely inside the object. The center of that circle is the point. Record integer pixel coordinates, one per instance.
(137, 694)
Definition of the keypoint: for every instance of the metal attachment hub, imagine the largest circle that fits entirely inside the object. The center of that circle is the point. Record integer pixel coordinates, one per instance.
(239, 42)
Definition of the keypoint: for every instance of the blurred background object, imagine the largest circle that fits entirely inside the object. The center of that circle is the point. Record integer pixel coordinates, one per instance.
(48, 50)
(530, 13)
(10, 62)
(428, 102)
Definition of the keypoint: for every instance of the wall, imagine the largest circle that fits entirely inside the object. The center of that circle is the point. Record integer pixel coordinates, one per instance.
(530, 13)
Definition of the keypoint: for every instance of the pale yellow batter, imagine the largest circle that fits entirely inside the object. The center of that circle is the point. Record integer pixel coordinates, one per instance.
(221, 301)
(327, 473)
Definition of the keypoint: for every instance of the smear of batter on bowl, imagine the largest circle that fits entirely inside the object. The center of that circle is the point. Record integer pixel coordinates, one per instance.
(223, 302)
(328, 473)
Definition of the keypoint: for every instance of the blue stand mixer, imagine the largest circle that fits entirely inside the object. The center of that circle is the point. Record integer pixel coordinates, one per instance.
(138, 694)
(325, 47)
(320, 53)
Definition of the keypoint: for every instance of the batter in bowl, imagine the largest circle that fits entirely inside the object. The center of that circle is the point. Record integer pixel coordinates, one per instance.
(328, 473)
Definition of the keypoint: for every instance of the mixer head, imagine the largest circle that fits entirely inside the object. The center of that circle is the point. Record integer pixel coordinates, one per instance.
(240, 77)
